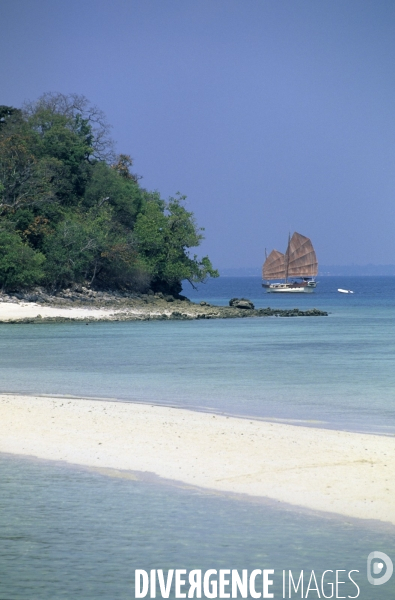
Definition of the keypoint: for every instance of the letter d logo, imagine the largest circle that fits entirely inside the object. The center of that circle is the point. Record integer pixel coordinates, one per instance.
(375, 568)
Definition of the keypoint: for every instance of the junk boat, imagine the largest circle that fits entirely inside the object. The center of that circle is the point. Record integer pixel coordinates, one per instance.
(297, 267)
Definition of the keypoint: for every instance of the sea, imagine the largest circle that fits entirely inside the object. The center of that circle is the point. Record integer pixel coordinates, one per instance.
(70, 532)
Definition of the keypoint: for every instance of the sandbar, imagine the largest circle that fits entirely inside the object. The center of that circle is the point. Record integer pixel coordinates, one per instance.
(345, 473)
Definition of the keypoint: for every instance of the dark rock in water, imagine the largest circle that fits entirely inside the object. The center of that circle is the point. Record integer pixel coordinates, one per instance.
(241, 303)
(143, 307)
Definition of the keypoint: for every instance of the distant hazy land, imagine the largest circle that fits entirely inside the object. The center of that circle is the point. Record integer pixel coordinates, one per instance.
(351, 270)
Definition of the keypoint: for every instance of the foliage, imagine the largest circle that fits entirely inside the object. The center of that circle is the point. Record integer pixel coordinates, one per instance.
(77, 110)
(165, 232)
(72, 212)
(20, 266)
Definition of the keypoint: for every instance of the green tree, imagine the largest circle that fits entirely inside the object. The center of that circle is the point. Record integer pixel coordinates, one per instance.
(74, 250)
(9, 114)
(65, 197)
(66, 147)
(165, 232)
(79, 113)
(24, 178)
(20, 265)
(107, 187)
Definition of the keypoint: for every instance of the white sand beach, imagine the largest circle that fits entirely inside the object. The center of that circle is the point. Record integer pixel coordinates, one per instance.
(17, 311)
(345, 473)
(11, 311)
(129, 309)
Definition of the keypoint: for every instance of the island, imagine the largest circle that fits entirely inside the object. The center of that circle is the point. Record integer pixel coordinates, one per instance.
(80, 238)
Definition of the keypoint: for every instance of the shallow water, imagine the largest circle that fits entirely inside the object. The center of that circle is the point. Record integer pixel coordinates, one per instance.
(73, 533)
(336, 371)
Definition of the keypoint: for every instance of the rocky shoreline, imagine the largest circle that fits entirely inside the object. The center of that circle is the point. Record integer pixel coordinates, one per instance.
(124, 306)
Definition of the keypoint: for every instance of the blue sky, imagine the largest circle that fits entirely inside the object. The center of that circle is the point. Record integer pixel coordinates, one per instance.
(270, 115)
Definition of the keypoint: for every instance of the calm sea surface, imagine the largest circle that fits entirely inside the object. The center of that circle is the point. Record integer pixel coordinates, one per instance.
(72, 533)
(336, 371)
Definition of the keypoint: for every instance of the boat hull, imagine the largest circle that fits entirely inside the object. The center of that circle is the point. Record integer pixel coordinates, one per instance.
(290, 288)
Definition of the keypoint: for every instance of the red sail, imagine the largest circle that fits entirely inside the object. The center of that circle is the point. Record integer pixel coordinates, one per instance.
(274, 266)
(300, 257)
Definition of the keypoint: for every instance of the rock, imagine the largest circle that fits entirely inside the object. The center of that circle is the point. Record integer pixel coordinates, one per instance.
(241, 303)
(149, 306)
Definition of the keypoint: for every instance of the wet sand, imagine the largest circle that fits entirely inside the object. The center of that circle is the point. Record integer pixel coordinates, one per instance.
(344, 473)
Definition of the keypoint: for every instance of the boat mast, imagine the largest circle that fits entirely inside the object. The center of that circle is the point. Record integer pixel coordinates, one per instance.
(287, 258)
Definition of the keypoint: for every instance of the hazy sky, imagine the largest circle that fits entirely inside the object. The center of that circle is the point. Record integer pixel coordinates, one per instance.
(270, 115)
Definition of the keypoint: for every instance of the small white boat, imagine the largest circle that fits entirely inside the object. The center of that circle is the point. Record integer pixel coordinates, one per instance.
(345, 291)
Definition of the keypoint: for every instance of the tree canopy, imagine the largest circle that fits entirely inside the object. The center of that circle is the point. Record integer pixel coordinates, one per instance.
(72, 212)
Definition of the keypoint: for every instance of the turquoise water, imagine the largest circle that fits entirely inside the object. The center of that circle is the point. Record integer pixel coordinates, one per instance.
(337, 371)
(72, 533)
